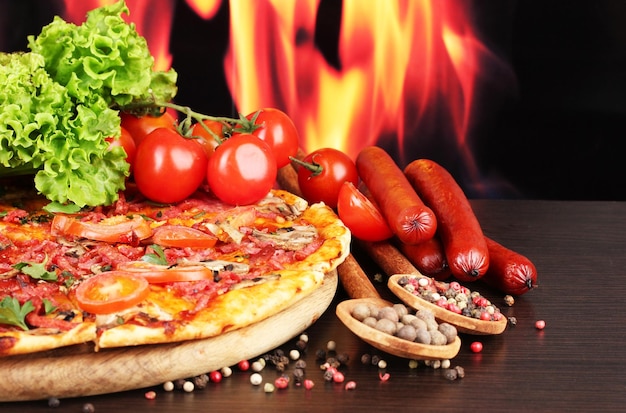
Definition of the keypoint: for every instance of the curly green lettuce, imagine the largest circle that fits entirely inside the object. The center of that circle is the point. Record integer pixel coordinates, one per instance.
(43, 131)
(105, 56)
(60, 103)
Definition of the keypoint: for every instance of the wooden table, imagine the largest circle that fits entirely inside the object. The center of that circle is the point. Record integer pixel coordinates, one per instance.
(575, 364)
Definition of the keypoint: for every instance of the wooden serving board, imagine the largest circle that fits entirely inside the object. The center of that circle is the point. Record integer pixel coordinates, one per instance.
(78, 371)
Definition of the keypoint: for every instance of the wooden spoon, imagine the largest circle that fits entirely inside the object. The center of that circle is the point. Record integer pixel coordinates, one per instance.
(382, 341)
(463, 324)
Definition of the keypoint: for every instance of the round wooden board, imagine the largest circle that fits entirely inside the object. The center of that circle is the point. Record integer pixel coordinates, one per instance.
(78, 371)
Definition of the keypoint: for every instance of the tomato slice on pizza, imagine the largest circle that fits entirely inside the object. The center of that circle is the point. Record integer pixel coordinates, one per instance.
(115, 229)
(181, 236)
(158, 274)
(112, 291)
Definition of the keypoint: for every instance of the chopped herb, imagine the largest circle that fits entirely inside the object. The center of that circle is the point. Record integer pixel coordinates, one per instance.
(157, 257)
(36, 270)
(48, 306)
(12, 313)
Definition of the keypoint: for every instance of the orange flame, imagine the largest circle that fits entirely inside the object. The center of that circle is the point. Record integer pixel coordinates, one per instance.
(398, 59)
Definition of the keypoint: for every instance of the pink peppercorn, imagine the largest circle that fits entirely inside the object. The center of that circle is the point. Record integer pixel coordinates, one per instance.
(476, 347)
(442, 302)
(351, 385)
(308, 384)
(455, 286)
(454, 308)
(384, 376)
(485, 316)
(243, 365)
(215, 376)
(338, 377)
(281, 382)
(150, 395)
(540, 324)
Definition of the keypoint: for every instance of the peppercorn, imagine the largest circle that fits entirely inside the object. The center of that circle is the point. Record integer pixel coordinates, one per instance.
(366, 358)
(54, 402)
(333, 362)
(328, 374)
(320, 354)
(150, 395)
(450, 374)
(201, 381)
(460, 371)
(168, 386)
(215, 376)
(188, 387)
(351, 385)
(343, 358)
(298, 375)
(88, 408)
(374, 360)
(256, 379)
(509, 300)
(301, 345)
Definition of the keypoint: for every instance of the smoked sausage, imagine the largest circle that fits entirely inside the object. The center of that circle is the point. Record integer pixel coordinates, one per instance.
(428, 257)
(509, 271)
(409, 219)
(462, 237)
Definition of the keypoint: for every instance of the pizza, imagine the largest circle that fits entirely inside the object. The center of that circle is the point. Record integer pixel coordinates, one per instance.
(139, 273)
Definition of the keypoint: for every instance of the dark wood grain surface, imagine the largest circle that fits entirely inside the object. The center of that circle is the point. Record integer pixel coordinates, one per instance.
(575, 364)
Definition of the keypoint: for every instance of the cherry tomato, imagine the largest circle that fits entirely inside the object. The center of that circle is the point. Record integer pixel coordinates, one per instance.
(116, 229)
(360, 215)
(280, 133)
(140, 126)
(205, 139)
(179, 236)
(111, 291)
(158, 274)
(169, 167)
(125, 141)
(327, 171)
(242, 170)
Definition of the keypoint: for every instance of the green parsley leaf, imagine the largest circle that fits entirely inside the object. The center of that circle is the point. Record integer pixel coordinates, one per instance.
(36, 270)
(157, 257)
(13, 314)
(48, 306)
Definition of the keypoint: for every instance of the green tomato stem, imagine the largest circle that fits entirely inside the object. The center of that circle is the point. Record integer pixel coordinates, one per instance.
(314, 167)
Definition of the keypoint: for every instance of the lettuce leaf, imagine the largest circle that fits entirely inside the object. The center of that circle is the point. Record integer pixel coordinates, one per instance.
(45, 132)
(60, 103)
(106, 56)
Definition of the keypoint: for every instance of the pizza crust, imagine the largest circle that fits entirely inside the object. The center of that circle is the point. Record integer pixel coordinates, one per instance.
(230, 311)
(26, 342)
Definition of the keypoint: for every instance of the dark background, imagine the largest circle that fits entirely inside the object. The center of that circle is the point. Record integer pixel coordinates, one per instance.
(552, 133)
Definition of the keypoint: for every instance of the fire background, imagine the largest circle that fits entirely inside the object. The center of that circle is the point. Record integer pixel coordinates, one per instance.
(551, 116)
